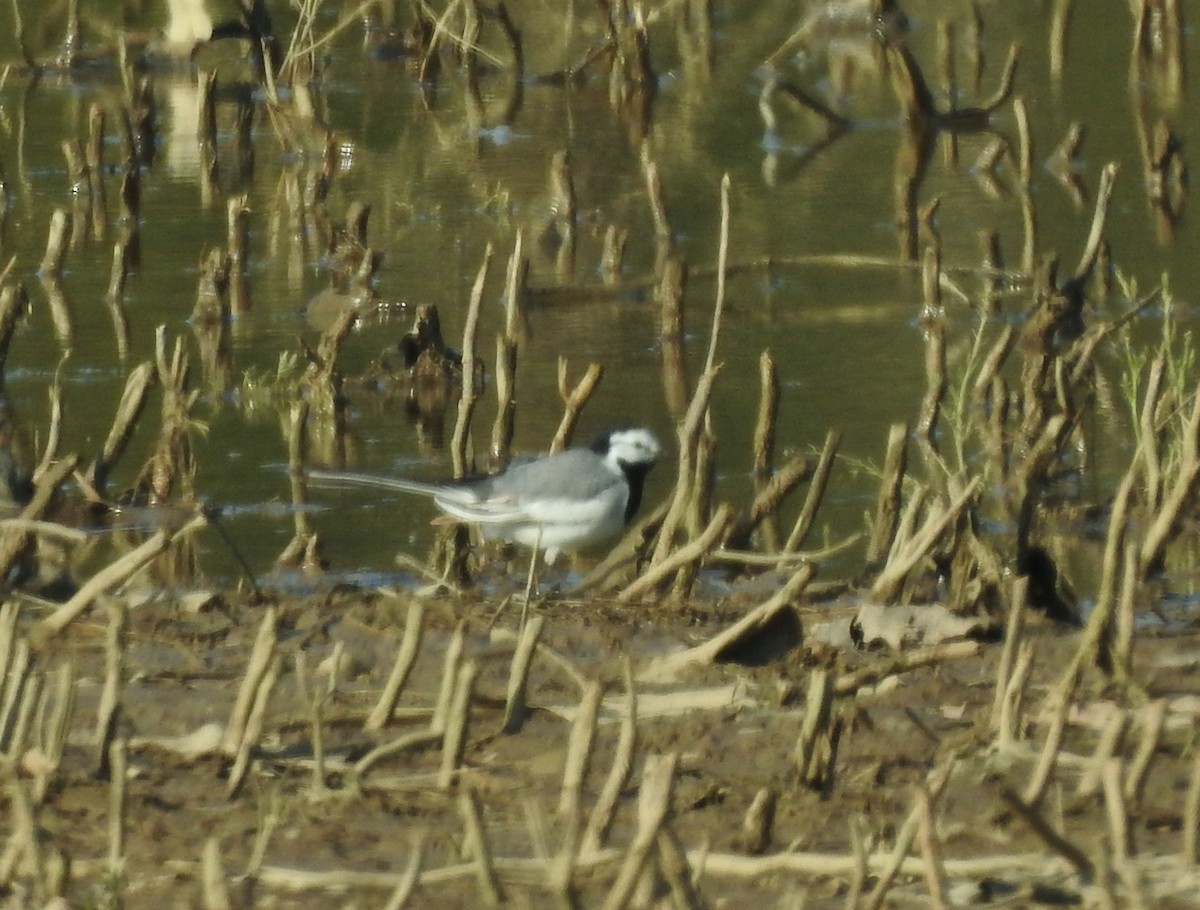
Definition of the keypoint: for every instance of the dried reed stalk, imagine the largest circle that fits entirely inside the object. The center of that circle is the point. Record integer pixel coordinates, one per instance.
(29, 696)
(814, 750)
(476, 843)
(850, 682)
(532, 872)
(1095, 240)
(94, 161)
(260, 659)
(934, 333)
(1152, 720)
(118, 754)
(455, 741)
(1166, 519)
(10, 611)
(937, 781)
(768, 415)
(399, 898)
(55, 730)
(681, 878)
(757, 822)
(697, 513)
(172, 458)
(816, 493)
(108, 578)
(1025, 177)
(573, 400)
(60, 310)
(604, 809)
(858, 875)
(56, 245)
(14, 680)
(1153, 480)
(654, 195)
(125, 422)
(22, 856)
(1059, 703)
(989, 368)
(672, 665)
(14, 301)
(1008, 722)
(304, 547)
(613, 254)
(460, 441)
(766, 503)
(406, 658)
(678, 561)
(254, 726)
(518, 675)
(213, 889)
(450, 665)
(1014, 629)
(722, 266)
(688, 436)
(1106, 747)
(131, 206)
(1116, 812)
(887, 509)
(1189, 854)
(14, 544)
(670, 281)
(506, 358)
(579, 752)
(415, 739)
(237, 231)
(931, 850)
(54, 432)
(891, 578)
(314, 700)
(108, 709)
(1095, 643)
(124, 254)
(570, 804)
(654, 801)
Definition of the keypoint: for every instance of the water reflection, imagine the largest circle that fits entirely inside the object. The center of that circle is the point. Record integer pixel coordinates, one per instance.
(182, 101)
(603, 138)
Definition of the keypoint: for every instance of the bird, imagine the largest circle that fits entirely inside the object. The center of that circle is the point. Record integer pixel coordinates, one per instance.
(560, 502)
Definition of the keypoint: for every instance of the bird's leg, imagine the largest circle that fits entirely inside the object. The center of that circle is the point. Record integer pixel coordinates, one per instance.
(531, 581)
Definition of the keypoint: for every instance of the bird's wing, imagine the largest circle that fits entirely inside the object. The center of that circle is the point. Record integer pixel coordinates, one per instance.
(542, 510)
(496, 509)
(573, 474)
(572, 488)
(568, 488)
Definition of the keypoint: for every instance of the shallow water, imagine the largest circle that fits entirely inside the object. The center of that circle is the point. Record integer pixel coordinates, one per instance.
(443, 184)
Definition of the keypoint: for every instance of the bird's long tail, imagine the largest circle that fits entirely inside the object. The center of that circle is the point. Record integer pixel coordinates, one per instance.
(350, 479)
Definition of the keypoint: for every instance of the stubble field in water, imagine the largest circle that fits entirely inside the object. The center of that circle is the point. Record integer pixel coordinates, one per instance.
(343, 733)
(442, 181)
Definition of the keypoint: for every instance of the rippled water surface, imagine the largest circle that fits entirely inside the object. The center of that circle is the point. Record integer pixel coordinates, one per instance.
(820, 268)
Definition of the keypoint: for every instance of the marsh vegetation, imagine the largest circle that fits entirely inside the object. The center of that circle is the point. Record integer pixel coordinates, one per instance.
(908, 615)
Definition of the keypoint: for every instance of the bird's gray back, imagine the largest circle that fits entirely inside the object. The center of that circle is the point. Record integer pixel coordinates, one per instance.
(573, 474)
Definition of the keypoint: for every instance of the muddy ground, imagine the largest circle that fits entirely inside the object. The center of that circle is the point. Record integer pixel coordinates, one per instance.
(184, 663)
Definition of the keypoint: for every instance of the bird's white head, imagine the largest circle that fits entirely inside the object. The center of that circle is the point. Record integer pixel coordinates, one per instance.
(628, 447)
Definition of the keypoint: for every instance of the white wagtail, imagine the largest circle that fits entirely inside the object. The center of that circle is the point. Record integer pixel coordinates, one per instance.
(564, 501)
